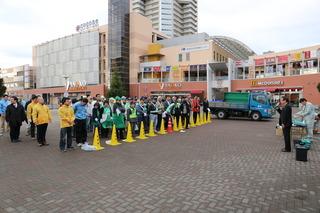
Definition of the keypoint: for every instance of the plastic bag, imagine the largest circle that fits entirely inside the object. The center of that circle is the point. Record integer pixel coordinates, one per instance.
(87, 147)
(279, 131)
(297, 122)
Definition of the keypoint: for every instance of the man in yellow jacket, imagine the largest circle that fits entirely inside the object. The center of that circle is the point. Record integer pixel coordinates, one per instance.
(67, 117)
(41, 116)
(34, 101)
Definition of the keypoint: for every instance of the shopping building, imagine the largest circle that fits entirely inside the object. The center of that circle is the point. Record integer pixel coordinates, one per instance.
(173, 17)
(196, 64)
(293, 73)
(20, 78)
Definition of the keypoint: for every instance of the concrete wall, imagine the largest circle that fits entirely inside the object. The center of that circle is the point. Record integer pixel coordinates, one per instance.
(76, 56)
(140, 38)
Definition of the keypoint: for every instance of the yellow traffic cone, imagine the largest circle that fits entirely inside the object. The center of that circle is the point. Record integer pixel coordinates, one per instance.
(192, 124)
(96, 140)
(201, 119)
(142, 135)
(175, 126)
(162, 130)
(180, 127)
(204, 119)
(198, 120)
(114, 140)
(151, 130)
(129, 138)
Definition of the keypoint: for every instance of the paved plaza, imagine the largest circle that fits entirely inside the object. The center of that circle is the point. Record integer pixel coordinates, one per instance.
(226, 166)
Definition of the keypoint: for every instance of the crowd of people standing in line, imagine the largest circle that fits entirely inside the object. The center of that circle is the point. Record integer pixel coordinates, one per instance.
(78, 117)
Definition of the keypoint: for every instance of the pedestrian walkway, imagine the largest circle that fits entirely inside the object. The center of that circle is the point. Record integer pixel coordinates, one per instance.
(225, 166)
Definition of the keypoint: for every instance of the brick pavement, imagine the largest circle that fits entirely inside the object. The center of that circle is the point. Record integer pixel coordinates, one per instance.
(227, 166)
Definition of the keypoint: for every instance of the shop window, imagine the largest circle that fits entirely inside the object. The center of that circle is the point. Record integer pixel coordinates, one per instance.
(180, 57)
(187, 56)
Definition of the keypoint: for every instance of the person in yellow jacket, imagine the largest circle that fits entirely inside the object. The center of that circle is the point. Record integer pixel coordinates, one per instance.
(67, 117)
(34, 101)
(41, 116)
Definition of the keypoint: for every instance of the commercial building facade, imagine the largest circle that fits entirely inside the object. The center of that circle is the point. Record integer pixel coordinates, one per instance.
(79, 65)
(18, 78)
(188, 65)
(293, 73)
(173, 17)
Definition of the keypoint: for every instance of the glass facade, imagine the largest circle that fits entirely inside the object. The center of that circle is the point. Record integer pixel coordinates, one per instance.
(118, 39)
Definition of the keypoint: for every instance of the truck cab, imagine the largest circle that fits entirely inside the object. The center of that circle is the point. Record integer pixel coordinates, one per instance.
(260, 106)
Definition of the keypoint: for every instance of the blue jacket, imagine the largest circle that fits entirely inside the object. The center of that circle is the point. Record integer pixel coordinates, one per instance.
(80, 111)
(3, 106)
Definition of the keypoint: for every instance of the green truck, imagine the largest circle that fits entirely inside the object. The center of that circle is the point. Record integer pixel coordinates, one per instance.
(255, 105)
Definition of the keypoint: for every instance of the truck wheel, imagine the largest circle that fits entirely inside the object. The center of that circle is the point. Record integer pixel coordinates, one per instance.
(256, 116)
(221, 114)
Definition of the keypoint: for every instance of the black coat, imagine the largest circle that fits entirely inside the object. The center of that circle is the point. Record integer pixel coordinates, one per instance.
(187, 105)
(286, 116)
(205, 106)
(15, 116)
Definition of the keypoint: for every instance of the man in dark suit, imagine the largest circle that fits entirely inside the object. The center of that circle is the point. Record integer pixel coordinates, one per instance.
(286, 120)
(15, 115)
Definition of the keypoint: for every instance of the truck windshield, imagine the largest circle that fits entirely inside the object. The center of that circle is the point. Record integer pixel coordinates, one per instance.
(261, 99)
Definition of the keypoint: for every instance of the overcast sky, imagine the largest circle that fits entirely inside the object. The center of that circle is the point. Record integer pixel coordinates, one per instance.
(263, 25)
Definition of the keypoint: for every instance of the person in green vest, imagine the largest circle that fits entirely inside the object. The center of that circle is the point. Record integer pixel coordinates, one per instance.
(132, 117)
(118, 118)
(106, 120)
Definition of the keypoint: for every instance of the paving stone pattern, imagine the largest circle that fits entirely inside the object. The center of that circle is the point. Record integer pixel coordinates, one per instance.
(227, 166)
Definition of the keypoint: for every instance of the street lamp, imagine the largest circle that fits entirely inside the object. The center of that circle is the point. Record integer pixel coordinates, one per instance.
(66, 94)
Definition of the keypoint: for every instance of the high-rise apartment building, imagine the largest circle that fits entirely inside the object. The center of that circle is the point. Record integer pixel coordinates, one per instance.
(119, 40)
(172, 17)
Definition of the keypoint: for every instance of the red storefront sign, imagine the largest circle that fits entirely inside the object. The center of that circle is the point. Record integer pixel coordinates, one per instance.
(259, 62)
(157, 69)
(283, 59)
(271, 60)
(307, 55)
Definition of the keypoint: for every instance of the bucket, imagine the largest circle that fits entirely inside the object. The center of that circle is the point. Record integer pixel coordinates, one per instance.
(301, 153)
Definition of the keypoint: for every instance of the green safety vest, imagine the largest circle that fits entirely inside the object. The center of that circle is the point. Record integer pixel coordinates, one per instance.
(133, 113)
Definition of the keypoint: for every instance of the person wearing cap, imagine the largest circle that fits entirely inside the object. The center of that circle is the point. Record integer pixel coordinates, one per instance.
(132, 117)
(4, 103)
(96, 115)
(118, 118)
(106, 120)
(80, 110)
(33, 103)
(41, 116)
(66, 115)
(111, 102)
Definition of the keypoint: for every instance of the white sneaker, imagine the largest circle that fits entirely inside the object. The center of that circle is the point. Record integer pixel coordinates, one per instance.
(79, 144)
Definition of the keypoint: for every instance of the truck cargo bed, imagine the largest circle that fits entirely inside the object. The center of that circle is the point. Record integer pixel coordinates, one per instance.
(229, 105)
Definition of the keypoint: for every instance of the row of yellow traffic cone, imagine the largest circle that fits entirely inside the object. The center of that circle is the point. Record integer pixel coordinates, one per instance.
(176, 127)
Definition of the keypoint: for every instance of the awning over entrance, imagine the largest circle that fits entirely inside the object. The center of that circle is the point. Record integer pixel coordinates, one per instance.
(273, 89)
(218, 66)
